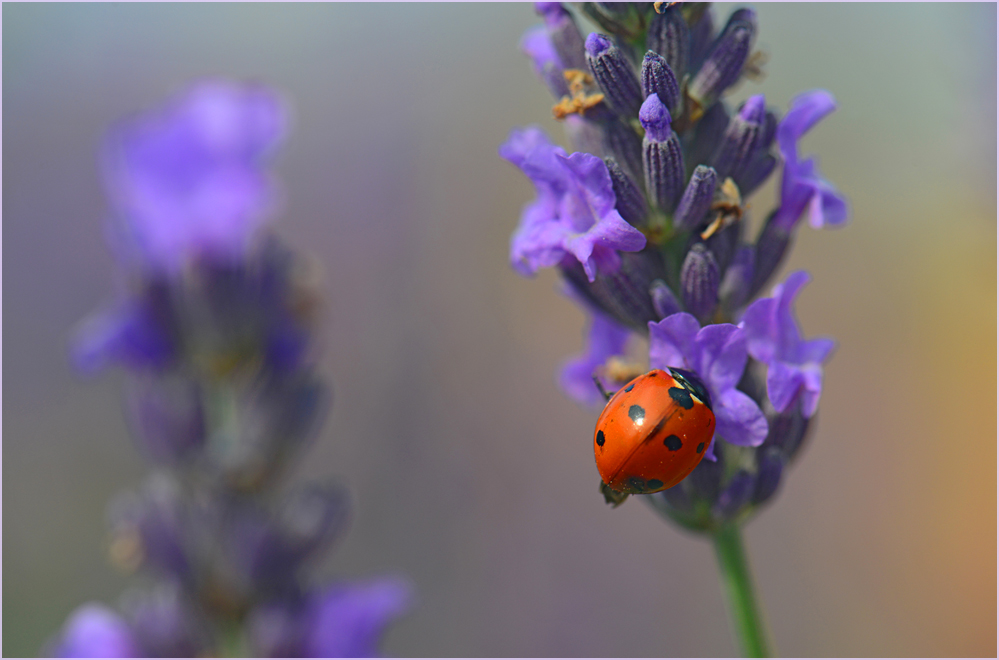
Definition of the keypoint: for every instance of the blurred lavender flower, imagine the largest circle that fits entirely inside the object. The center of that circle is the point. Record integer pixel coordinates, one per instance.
(681, 163)
(213, 325)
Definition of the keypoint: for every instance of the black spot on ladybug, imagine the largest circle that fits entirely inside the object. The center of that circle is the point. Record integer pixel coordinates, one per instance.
(636, 484)
(673, 442)
(629, 388)
(682, 397)
(637, 413)
(655, 484)
(600, 438)
(700, 448)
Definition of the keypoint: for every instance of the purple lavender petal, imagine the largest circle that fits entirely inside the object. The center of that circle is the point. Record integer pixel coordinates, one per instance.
(348, 620)
(671, 341)
(721, 355)
(738, 419)
(95, 631)
(537, 44)
(784, 381)
(606, 338)
(805, 111)
(129, 333)
(565, 35)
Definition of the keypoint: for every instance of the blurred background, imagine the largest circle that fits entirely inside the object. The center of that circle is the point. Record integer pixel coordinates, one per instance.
(471, 472)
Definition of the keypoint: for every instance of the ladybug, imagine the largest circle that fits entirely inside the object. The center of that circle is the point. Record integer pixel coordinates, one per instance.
(652, 433)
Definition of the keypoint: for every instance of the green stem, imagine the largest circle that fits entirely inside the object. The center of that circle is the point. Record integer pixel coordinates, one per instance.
(747, 616)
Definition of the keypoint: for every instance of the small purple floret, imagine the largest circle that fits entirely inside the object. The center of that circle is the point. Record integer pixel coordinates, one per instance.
(794, 365)
(348, 620)
(655, 119)
(716, 353)
(574, 215)
(607, 338)
(95, 631)
(597, 43)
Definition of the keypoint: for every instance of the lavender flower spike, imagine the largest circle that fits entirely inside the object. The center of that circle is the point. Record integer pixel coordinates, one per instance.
(716, 353)
(697, 198)
(662, 156)
(574, 216)
(802, 187)
(794, 365)
(613, 74)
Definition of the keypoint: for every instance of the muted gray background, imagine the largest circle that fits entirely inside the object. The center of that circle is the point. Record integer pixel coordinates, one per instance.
(471, 472)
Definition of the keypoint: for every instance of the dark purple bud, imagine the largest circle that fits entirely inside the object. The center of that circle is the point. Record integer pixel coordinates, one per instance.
(613, 74)
(670, 37)
(662, 157)
(734, 288)
(166, 417)
(699, 282)
(630, 200)
(623, 144)
(702, 35)
(735, 496)
(769, 131)
(739, 143)
(697, 198)
(705, 480)
(623, 295)
(771, 246)
(276, 629)
(564, 33)
(723, 66)
(723, 243)
(663, 300)
(658, 79)
(770, 466)
(755, 173)
(166, 623)
(787, 431)
(708, 134)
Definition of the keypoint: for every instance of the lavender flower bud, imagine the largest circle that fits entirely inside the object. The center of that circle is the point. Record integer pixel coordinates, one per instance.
(768, 132)
(151, 529)
(723, 66)
(702, 34)
(630, 200)
(708, 134)
(699, 278)
(770, 465)
(619, 18)
(770, 248)
(658, 78)
(613, 74)
(166, 623)
(166, 416)
(662, 157)
(697, 198)
(624, 145)
(663, 300)
(788, 431)
(734, 288)
(670, 37)
(739, 144)
(705, 480)
(623, 295)
(565, 35)
(735, 496)
(755, 173)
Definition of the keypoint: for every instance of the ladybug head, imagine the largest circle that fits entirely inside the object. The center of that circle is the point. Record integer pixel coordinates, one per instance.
(692, 382)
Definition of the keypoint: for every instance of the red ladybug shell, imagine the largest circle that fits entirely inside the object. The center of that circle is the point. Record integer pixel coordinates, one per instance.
(653, 432)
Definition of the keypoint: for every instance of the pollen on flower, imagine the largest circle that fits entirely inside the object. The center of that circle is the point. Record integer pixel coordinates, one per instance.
(729, 205)
(580, 101)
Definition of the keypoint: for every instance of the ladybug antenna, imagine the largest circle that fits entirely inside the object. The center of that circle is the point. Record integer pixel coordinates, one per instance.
(600, 386)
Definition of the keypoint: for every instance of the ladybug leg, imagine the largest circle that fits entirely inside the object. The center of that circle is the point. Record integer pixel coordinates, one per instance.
(607, 395)
(611, 496)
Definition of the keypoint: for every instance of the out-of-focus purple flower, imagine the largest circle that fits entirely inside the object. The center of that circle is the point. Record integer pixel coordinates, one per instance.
(794, 365)
(130, 333)
(348, 620)
(607, 338)
(574, 215)
(95, 631)
(167, 417)
(166, 623)
(802, 187)
(537, 44)
(716, 353)
(188, 181)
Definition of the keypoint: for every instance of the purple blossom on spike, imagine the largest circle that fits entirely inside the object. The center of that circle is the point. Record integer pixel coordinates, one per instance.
(669, 36)
(133, 333)
(794, 365)
(658, 79)
(802, 187)
(606, 338)
(623, 295)
(716, 353)
(631, 202)
(739, 143)
(565, 36)
(348, 620)
(699, 278)
(613, 74)
(662, 156)
(95, 631)
(574, 216)
(735, 495)
(697, 198)
(723, 66)
(537, 44)
(167, 417)
(189, 181)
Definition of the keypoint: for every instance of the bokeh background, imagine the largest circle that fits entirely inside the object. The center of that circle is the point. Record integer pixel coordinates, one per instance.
(472, 473)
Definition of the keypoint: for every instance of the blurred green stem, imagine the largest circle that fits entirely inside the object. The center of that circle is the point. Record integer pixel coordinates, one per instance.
(747, 617)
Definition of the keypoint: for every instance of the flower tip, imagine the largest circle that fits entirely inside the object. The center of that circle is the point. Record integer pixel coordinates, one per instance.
(549, 10)
(754, 109)
(654, 115)
(597, 43)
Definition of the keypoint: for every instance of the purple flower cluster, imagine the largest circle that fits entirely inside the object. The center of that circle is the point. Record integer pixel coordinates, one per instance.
(213, 326)
(647, 224)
